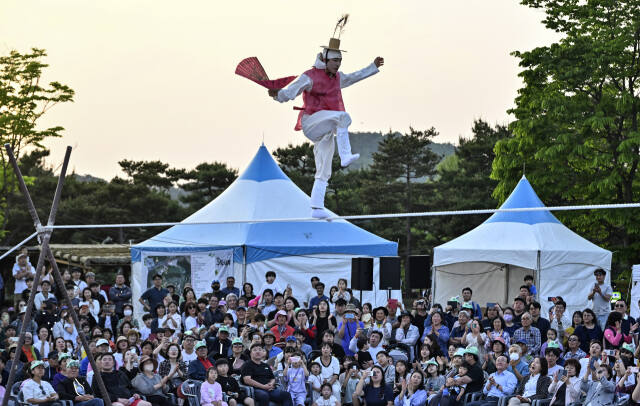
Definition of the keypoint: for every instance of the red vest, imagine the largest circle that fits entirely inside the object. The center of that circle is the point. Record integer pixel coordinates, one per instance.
(325, 94)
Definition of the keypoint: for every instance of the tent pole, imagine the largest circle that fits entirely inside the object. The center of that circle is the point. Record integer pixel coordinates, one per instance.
(538, 277)
(506, 285)
(244, 264)
(433, 286)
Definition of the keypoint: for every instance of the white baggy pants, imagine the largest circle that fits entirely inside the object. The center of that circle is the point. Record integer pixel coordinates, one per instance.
(320, 128)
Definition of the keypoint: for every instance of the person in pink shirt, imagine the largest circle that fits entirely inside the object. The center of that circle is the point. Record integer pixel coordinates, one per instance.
(211, 391)
(613, 335)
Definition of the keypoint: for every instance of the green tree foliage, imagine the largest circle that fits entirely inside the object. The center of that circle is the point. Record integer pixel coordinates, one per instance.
(343, 192)
(151, 173)
(205, 183)
(297, 162)
(464, 183)
(23, 101)
(398, 183)
(576, 125)
(92, 201)
(87, 200)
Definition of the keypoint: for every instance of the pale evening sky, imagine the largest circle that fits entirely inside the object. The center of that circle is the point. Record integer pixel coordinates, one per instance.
(155, 79)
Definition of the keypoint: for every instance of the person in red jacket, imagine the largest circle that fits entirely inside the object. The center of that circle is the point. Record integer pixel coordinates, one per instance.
(323, 114)
(282, 329)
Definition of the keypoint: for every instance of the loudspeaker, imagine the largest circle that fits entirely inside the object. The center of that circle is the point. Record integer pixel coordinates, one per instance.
(419, 272)
(362, 273)
(389, 273)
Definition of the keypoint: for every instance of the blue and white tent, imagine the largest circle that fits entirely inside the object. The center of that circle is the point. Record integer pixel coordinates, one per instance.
(494, 257)
(295, 250)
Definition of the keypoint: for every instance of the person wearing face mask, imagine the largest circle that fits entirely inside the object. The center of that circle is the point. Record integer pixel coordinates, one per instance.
(150, 384)
(127, 312)
(517, 366)
(510, 325)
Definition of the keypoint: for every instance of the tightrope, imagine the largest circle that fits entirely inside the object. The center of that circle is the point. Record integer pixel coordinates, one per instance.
(333, 218)
(20, 244)
(353, 217)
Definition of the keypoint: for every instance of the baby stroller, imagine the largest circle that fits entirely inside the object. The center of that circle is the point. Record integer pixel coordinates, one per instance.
(399, 351)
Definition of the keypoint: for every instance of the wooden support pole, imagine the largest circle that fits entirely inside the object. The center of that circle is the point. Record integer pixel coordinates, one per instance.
(44, 235)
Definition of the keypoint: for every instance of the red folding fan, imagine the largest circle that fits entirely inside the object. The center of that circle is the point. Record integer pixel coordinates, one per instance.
(252, 69)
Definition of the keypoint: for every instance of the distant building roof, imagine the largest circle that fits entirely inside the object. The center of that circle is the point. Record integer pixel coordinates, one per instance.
(89, 255)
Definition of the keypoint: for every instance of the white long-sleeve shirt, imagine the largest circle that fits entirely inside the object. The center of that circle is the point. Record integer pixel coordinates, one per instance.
(566, 323)
(409, 338)
(304, 82)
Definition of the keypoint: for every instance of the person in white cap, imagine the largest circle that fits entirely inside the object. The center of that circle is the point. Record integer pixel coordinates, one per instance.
(36, 390)
(323, 113)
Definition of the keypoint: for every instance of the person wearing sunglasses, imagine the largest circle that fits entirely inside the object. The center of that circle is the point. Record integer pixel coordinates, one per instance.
(629, 324)
(38, 391)
(573, 349)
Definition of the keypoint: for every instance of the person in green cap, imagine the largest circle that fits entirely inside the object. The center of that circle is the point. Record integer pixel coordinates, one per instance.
(552, 354)
(61, 375)
(76, 388)
(198, 368)
(434, 380)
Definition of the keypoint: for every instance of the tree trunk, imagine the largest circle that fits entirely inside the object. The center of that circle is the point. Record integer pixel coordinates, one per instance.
(408, 228)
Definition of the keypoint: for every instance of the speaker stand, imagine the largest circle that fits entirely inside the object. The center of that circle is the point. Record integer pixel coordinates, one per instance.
(388, 295)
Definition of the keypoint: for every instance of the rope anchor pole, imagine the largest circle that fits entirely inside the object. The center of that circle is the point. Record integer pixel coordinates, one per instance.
(44, 236)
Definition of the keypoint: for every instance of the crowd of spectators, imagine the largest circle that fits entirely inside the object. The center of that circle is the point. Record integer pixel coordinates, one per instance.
(321, 347)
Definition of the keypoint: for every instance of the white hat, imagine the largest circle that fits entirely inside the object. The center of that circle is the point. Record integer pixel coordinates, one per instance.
(102, 341)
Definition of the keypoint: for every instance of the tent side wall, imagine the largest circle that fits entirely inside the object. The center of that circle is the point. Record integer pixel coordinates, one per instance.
(294, 270)
(488, 280)
(571, 281)
(298, 270)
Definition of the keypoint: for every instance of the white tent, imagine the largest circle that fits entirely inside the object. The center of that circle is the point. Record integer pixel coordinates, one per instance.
(494, 257)
(634, 309)
(200, 253)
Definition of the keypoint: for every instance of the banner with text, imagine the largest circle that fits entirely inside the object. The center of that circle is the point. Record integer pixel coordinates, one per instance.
(198, 269)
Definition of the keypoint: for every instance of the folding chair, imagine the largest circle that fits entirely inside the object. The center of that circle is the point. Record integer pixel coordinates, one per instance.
(191, 389)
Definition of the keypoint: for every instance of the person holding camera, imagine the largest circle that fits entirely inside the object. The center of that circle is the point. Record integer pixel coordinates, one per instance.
(376, 392)
(475, 337)
(601, 295)
(348, 327)
(600, 389)
(566, 384)
(420, 314)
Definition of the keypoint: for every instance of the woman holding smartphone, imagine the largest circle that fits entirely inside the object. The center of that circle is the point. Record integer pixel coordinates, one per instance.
(475, 338)
(376, 392)
(566, 384)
